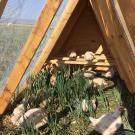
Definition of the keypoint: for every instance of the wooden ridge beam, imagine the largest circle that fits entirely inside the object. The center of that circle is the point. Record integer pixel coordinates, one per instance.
(82, 62)
(2, 6)
(116, 41)
(28, 51)
(124, 26)
(97, 58)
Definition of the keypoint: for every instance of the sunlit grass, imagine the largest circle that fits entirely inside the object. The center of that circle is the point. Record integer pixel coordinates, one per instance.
(65, 115)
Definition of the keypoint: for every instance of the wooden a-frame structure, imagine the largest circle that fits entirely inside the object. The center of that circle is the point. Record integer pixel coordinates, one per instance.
(84, 25)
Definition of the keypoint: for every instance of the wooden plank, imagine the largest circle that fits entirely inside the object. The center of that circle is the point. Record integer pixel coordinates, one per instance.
(72, 4)
(81, 62)
(28, 51)
(125, 50)
(128, 11)
(102, 69)
(99, 50)
(98, 58)
(115, 40)
(102, 64)
(2, 6)
(124, 26)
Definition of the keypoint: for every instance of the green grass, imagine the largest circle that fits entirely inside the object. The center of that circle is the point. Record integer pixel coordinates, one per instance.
(12, 39)
(65, 115)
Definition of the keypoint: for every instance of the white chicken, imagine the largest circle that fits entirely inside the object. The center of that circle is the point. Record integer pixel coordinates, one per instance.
(108, 124)
(53, 80)
(17, 113)
(89, 74)
(72, 54)
(85, 106)
(94, 104)
(89, 56)
(110, 73)
(99, 82)
(34, 117)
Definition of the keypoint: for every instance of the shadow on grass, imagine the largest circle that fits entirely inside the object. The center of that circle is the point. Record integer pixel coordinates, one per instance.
(94, 133)
(128, 100)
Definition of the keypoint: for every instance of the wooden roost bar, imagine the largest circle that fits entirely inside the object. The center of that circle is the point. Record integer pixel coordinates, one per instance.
(94, 25)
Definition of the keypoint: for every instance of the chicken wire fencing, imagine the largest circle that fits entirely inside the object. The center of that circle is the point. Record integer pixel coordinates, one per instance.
(16, 24)
(43, 43)
(19, 34)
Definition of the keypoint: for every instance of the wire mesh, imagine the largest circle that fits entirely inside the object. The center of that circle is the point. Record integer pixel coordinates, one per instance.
(16, 24)
(44, 41)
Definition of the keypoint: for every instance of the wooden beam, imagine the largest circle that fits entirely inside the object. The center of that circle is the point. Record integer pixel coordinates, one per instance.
(72, 4)
(105, 22)
(98, 58)
(28, 51)
(104, 29)
(82, 62)
(99, 50)
(124, 26)
(116, 41)
(101, 69)
(127, 9)
(2, 6)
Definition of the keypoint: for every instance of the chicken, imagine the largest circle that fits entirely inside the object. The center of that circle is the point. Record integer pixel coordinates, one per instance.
(34, 117)
(99, 82)
(89, 69)
(110, 73)
(53, 80)
(89, 74)
(108, 124)
(94, 104)
(72, 54)
(43, 104)
(89, 56)
(85, 106)
(17, 113)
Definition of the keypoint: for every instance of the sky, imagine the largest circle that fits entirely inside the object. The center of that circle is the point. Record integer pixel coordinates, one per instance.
(24, 9)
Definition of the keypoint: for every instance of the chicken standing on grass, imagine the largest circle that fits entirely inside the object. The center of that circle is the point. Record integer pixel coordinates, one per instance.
(89, 74)
(99, 82)
(110, 73)
(108, 124)
(53, 80)
(85, 106)
(36, 117)
(17, 113)
(94, 104)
